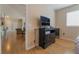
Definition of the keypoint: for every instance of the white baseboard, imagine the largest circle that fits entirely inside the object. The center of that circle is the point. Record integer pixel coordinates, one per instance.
(69, 39)
(28, 48)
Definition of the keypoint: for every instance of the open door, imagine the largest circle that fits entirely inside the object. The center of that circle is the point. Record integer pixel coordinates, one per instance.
(2, 32)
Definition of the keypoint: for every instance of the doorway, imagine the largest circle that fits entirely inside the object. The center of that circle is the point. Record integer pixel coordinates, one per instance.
(13, 29)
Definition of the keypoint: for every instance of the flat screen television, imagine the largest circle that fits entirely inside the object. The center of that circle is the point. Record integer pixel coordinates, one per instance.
(45, 21)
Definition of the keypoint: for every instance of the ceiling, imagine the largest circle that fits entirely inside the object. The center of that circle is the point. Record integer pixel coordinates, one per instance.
(13, 9)
(51, 6)
(59, 6)
(21, 8)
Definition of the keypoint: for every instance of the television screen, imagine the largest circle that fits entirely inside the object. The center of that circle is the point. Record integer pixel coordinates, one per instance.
(45, 21)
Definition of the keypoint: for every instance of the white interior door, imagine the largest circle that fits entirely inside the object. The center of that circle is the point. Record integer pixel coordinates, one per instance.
(1, 37)
(1, 33)
(9, 25)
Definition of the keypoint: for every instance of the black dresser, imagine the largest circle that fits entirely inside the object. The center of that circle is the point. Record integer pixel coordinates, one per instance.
(47, 33)
(46, 37)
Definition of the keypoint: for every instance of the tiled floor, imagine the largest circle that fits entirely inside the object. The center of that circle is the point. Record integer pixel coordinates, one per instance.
(17, 47)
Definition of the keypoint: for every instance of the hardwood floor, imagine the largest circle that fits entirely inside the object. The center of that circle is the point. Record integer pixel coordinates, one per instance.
(61, 46)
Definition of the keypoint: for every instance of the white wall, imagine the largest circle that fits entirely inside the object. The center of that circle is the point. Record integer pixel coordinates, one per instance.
(33, 13)
(42, 10)
(70, 32)
(15, 12)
